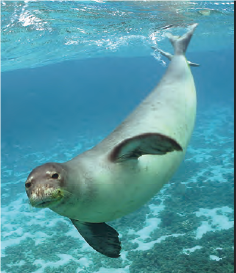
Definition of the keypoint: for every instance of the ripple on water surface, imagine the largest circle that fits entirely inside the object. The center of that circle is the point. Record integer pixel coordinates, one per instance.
(36, 33)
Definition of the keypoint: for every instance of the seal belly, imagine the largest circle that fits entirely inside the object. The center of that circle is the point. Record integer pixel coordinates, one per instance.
(140, 182)
(123, 187)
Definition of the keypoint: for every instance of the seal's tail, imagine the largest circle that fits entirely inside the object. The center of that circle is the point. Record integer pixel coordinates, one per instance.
(180, 44)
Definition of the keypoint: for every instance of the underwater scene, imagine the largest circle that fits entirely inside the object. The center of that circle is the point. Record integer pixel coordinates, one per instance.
(71, 72)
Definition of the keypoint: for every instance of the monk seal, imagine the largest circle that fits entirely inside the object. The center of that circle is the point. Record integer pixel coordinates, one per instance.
(128, 167)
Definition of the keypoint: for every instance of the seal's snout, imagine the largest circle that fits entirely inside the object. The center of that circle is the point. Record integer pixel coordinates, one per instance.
(44, 184)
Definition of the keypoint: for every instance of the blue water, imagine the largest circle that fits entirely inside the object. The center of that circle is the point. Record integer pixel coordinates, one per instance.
(71, 72)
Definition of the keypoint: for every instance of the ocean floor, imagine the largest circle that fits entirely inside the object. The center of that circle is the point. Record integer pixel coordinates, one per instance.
(187, 227)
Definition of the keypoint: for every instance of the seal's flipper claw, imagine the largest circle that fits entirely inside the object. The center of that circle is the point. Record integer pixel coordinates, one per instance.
(166, 54)
(193, 64)
(100, 237)
(170, 56)
(144, 144)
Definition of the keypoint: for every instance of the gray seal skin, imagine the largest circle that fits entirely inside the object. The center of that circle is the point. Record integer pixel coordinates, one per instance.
(128, 167)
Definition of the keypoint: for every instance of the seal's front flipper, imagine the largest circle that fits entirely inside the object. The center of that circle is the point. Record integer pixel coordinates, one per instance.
(149, 143)
(100, 237)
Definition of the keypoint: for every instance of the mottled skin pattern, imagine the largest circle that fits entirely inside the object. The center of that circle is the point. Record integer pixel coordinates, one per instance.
(98, 185)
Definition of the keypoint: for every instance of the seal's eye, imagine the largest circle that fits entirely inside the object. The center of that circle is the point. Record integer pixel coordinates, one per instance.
(55, 175)
(28, 184)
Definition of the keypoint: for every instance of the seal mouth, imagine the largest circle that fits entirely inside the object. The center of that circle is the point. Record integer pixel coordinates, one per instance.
(43, 203)
(47, 200)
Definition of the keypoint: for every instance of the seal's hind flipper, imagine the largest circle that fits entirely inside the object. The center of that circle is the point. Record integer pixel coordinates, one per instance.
(144, 144)
(180, 43)
(100, 237)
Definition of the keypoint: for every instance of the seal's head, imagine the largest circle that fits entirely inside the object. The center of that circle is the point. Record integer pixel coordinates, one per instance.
(44, 185)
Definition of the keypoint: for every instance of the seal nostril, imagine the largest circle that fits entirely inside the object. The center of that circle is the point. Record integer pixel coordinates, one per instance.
(55, 175)
(28, 184)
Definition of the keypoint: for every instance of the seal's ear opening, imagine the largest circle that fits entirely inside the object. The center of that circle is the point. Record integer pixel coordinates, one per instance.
(144, 144)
